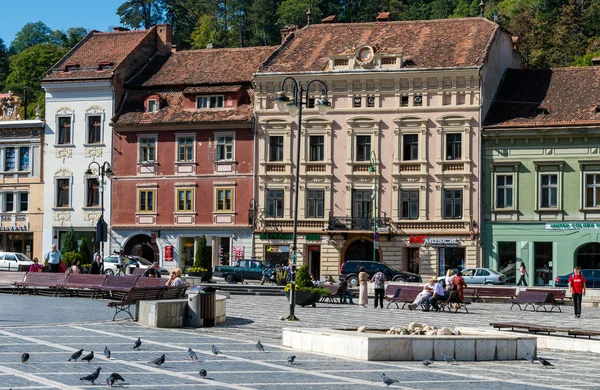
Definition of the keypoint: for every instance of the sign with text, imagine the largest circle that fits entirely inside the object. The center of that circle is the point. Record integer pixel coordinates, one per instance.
(425, 241)
(572, 225)
(169, 253)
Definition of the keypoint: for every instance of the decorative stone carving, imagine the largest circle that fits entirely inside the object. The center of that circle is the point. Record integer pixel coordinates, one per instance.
(93, 153)
(9, 106)
(64, 111)
(63, 153)
(63, 172)
(94, 110)
(62, 217)
(91, 216)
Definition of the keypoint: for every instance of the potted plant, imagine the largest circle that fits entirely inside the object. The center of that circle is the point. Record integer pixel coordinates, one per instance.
(306, 293)
(196, 271)
(201, 266)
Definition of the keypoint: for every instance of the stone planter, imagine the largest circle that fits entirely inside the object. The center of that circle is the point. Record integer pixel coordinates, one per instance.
(204, 276)
(305, 298)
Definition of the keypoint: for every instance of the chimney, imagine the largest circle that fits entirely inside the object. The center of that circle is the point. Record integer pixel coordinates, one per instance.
(330, 19)
(164, 35)
(119, 29)
(287, 30)
(383, 17)
(213, 45)
(308, 15)
(596, 61)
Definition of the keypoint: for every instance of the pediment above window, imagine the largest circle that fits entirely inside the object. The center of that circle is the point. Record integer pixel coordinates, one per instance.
(366, 57)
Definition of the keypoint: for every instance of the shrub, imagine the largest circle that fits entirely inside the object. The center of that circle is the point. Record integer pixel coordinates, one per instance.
(70, 256)
(201, 260)
(69, 243)
(84, 250)
(303, 277)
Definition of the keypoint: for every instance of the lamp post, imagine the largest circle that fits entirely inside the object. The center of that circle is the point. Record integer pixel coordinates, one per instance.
(294, 105)
(373, 170)
(104, 170)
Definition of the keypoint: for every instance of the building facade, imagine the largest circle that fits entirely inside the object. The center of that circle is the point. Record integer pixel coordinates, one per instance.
(21, 184)
(542, 173)
(82, 91)
(184, 157)
(414, 111)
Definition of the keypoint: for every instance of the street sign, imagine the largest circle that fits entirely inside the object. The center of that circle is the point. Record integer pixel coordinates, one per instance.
(383, 230)
(376, 237)
(376, 245)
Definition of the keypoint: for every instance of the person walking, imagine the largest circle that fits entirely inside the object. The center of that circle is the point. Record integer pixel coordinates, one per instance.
(577, 286)
(460, 284)
(363, 291)
(95, 267)
(52, 259)
(524, 273)
(379, 286)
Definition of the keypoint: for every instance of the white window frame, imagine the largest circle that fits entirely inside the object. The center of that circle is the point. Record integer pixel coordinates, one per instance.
(506, 188)
(225, 135)
(156, 107)
(549, 187)
(549, 168)
(208, 99)
(462, 200)
(362, 126)
(4, 199)
(504, 168)
(94, 111)
(179, 136)
(139, 156)
(20, 193)
(306, 200)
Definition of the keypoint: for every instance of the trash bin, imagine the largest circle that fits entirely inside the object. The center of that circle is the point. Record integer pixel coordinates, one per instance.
(201, 306)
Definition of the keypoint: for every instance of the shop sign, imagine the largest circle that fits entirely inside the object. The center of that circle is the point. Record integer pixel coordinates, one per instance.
(384, 230)
(417, 240)
(572, 226)
(313, 237)
(276, 236)
(169, 253)
(13, 228)
(424, 241)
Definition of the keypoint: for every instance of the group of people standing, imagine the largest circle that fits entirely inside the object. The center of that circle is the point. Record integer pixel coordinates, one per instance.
(378, 287)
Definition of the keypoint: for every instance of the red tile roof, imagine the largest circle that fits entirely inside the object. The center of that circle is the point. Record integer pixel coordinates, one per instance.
(547, 97)
(428, 43)
(213, 89)
(97, 47)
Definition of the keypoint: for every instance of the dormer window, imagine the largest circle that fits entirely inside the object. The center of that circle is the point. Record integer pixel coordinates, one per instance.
(153, 105)
(70, 66)
(103, 65)
(209, 102)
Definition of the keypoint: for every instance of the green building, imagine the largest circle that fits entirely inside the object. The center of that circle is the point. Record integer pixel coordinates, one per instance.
(541, 174)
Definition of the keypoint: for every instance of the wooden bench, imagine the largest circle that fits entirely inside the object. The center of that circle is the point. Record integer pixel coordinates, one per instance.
(480, 293)
(137, 271)
(116, 286)
(75, 282)
(150, 282)
(559, 295)
(535, 299)
(336, 293)
(174, 292)
(454, 303)
(133, 296)
(545, 329)
(407, 295)
(394, 291)
(583, 332)
(39, 279)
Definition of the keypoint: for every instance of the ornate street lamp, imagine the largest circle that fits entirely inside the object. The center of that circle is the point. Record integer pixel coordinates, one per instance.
(373, 171)
(293, 105)
(104, 170)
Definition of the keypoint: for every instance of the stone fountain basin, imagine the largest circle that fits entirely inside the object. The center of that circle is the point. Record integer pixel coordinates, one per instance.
(378, 346)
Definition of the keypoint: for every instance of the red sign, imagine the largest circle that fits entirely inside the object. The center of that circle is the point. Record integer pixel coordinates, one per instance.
(153, 238)
(169, 253)
(417, 239)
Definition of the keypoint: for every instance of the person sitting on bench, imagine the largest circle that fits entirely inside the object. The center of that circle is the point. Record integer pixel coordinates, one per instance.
(438, 295)
(423, 295)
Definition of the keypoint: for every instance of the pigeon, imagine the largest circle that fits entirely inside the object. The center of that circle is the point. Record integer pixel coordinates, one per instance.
(88, 358)
(215, 350)
(291, 359)
(113, 378)
(24, 358)
(448, 359)
(92, 377)
(158, 361)
(426, 362)
(387, 381)
(203, 373)
(137, 344)
(107, 352)
(260, 347)
(546, 363)
(529, 357)
(76, 355)
(192, 354)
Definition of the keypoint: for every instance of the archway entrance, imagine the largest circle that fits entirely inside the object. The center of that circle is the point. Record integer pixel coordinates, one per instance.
(141, 245)
(361, 250)
(588, 256)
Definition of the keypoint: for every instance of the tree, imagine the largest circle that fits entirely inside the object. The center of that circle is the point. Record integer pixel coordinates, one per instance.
(586, 59)
(69, 243)
(4, 64)
(567, 40)
(30, 35)
(69, 38)
(201, 260)
(142, 13)
(260, 21)
(204, 33)
(294, 12)
(84, 251)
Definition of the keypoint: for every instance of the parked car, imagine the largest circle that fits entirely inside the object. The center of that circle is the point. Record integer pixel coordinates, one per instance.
(592, 278)
(14, 261)
(110, 264)
(483, 276)
(350, 269)
(242, 269)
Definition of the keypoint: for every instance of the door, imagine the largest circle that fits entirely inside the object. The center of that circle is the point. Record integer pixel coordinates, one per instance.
(482, 276)
(314, 262)
(362, 208)
(3, 265)
(469, 275)
(10, 261)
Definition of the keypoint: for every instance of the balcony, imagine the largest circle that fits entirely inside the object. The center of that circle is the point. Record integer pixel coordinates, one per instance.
(356, 223)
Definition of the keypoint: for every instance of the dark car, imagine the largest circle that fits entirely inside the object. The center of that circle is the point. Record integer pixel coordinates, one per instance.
(350, 269)
(592, 279)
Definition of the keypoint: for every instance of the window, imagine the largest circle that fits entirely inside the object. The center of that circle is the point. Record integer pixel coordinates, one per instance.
(93, 192)
(592, 190)
(410, 148)
(356, 102)
(371, 101)
(207, 102)
(453, 146)
(452, 204)
(276, 148)
(64, 130)
(543, 257)
(9, 159)
(414, 260)
(224, 148)
(147, 150)
(418, 100)
(146, 201)
(24, 159)
(403, 101)
(9, 201)
(507, 260)
(153, 105)
(62, 193)
(184, 200)
(224, 202)
(275, 203)
(409, 204)
(451, 258)
(504, 191)
(317, 148)
(363, 148)
(94, 123)
(549, 190)
(23, 201)
(185, 149)
(315, 203)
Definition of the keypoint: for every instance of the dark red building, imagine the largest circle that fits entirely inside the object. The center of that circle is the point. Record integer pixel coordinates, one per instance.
(183, 156)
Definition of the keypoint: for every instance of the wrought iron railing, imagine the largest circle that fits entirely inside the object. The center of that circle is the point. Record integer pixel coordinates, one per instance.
(356, 223)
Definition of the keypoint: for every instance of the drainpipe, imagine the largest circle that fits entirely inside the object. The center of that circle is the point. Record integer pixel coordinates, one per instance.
(254, 179)
(480, 170)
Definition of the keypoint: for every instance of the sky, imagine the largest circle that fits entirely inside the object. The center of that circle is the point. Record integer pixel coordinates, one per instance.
(57, 14)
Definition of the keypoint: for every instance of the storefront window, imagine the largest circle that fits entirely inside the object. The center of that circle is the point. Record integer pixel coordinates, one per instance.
(543, 263)
(507, 260)
(413, 260)
(17, 242)
(187, 251)
(277, 255)
(224, 251)
(451, 258)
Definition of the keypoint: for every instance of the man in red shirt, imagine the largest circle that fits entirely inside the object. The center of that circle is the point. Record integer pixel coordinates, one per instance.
(577, 287)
